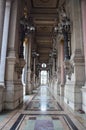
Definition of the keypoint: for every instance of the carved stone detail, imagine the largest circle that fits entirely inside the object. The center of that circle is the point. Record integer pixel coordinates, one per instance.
(69, 68)
(19, 66)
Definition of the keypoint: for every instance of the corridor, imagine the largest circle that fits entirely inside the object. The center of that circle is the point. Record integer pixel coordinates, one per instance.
(42, 64)
(41, 111)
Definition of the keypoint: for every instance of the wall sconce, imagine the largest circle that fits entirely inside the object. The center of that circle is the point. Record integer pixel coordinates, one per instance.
(27, 23)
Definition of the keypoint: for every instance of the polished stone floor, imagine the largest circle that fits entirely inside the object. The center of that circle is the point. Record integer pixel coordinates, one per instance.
(43, 111)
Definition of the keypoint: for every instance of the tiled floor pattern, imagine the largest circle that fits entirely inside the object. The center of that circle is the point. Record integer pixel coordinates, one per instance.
(41, 122)
(42, 101)
(42, 112)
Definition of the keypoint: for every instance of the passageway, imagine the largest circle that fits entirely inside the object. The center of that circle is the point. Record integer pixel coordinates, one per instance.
(43, 64)
(41, 111)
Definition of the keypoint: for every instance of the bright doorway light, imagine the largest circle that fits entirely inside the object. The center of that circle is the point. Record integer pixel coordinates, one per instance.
(44, 77)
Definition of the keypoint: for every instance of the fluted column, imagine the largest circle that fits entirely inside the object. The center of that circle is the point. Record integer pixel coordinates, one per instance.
(2, 14)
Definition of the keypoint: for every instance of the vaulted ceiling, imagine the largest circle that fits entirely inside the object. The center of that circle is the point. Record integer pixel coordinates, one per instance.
(44, 14)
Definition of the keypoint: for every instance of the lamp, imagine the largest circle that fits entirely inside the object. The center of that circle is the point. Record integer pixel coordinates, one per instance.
(26, 22)
(64, 28)
(26, 27)
(34, 53)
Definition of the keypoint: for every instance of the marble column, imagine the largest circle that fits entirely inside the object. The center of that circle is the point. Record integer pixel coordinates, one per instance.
(73, 96)
(54, 80)
(59, 68)
(4, 41)
(53, 69)
(34, 71)
(2, 14)
(62, 69)
(29, 84)
(83, 9)
(39, 78)
(26, 65)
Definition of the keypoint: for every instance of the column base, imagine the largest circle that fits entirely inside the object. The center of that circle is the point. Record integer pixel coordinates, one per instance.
(29, 89)
(73, 96)
(14, 94)
(1, 98)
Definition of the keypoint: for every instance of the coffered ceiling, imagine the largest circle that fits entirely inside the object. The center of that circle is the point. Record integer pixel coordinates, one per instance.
(44, 3)
(44, 14)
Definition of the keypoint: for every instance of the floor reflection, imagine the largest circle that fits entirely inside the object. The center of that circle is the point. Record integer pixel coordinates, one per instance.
(43, 100)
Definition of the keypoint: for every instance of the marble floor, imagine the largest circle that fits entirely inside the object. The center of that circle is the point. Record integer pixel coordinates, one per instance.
(43, 111)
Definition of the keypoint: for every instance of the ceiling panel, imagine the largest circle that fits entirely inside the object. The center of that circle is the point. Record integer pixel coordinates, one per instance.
(44, 14)
(44, 3)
